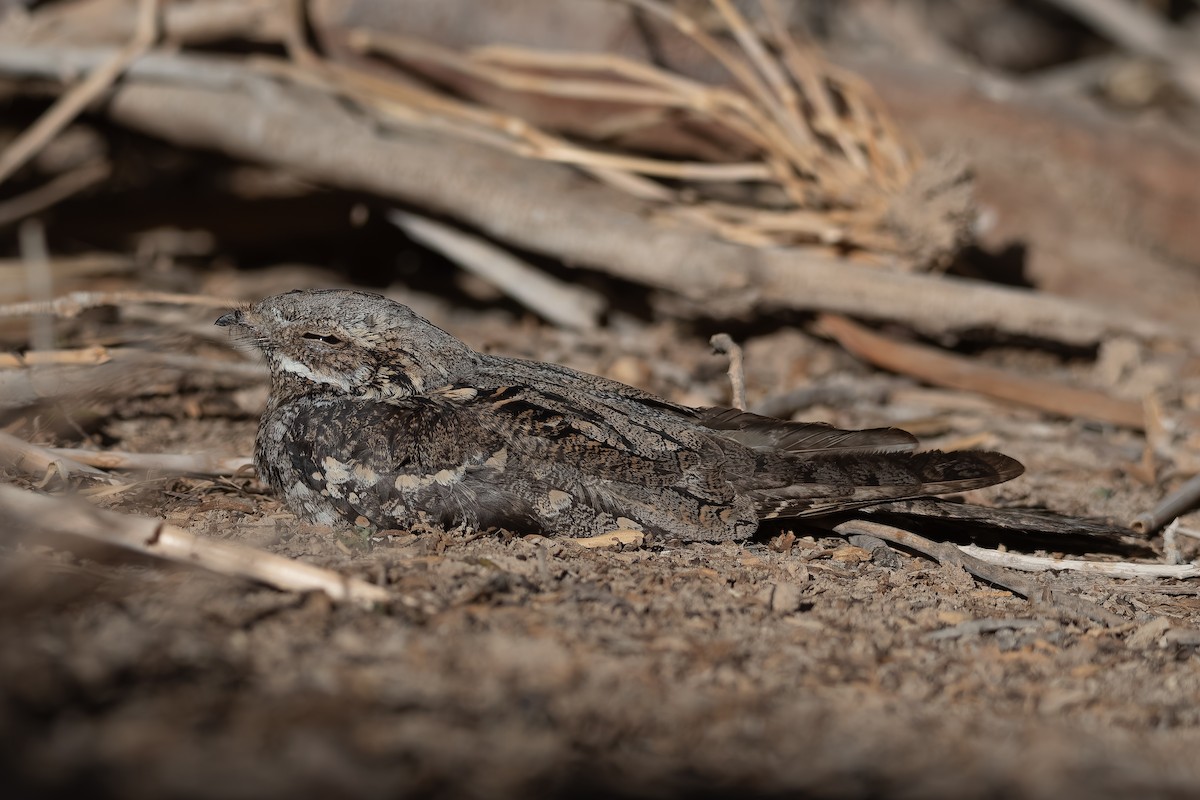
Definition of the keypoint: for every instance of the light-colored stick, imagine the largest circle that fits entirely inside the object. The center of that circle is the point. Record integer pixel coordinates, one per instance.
(38, 358)
(1111, 569)
(946, 553)
(153, 537)
(38, 461)
(195, 464)
(71, 305)
(69, 105)
(1180, 501)
(724, 343)
(565, 305)
(943, 369)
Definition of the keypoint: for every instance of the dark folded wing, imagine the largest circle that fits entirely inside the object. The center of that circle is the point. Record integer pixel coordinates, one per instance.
(759, 432)
(832, 483)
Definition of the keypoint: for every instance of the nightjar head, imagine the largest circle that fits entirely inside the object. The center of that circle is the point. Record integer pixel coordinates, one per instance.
(356, 343)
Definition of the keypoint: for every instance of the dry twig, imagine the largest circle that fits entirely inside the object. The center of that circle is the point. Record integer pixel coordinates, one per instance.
(565, 305)
(723, 343)
(946, 553)
(41, 462)
(1111, 569)
(28, 511)
(69, 105)
(841, 162)
(1180, 501)
(73, 304)
(943, 369)
(1137, 28)
(184, 463)
(39, 358)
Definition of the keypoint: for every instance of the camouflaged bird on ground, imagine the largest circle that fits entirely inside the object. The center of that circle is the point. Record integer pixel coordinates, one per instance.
(377, 417)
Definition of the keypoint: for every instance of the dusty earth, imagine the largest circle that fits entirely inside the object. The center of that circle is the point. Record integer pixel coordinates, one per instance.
(518, 666)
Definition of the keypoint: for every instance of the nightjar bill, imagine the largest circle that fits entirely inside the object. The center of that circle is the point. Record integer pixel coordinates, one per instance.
(377, 416)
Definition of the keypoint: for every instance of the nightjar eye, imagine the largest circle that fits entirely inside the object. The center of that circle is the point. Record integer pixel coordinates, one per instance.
(327, 338)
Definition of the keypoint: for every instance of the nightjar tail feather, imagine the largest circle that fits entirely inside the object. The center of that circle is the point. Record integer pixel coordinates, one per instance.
(840, 483)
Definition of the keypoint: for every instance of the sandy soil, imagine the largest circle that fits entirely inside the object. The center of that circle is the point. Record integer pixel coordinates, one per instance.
(514, 666)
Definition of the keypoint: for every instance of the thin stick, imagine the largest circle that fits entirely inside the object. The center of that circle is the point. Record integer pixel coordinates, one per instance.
(37, 358)
(946, 553)
(69, 105)
(1140, 30)
(1127, 24)
(943, 369)
(35, 254)
(594, 89)
(567, 306)
(1111, 569)
(53, 191)
(39, 461)
(190, 463)
(156, 538)
(63, 268)
(73, 304)
(724, 343)
(1178, 502)
(518, 136)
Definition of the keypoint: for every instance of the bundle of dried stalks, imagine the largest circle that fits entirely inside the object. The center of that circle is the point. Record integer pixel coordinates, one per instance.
(816, 158)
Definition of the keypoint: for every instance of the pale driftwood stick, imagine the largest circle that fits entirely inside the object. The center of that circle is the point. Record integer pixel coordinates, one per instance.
(1180, 501)
(567, 306)
(723, 343)
(1170, 539)
(71, 305)
(156, 373)
(616, 538)
(1109, 569)
(943, 369)
(69, 105)
(52, 63)
(1184, 530)
(545, 208)
(37, 461)
(32, 512)
(37, 358)
(1128, 25)
(182, 23)
(191, 463)
(946, 553)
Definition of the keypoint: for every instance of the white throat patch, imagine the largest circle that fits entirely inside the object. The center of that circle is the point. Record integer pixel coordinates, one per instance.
(296, 368)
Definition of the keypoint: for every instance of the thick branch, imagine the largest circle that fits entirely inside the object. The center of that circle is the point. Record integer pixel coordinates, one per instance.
(551, 209)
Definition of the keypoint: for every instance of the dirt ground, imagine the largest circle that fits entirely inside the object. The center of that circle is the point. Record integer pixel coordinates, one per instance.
(514, 666)
(796, 664)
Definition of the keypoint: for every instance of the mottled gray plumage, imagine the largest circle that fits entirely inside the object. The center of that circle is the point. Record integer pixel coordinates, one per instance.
(378, 417)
